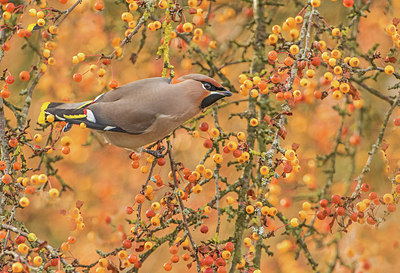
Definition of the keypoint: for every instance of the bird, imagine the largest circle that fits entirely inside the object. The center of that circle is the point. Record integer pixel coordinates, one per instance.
(141, 112)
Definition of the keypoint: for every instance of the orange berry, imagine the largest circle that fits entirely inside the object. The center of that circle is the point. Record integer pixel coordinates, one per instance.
(167, 266)
(24, 76)
(13, 142)
(5, 93)
(139, 198)
(348, 3)
(65, 150)
(99, 5)
(17, 166)
(113, 84)
(6, 179)
(174, 258)
(77, 77)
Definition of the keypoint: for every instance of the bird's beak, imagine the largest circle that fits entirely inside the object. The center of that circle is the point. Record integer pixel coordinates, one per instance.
(213, 97)
(226, 93)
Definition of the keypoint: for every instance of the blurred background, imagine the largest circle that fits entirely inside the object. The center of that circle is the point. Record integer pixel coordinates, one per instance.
(101, 175)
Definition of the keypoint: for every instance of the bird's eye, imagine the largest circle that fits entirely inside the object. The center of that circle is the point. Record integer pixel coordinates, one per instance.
(207, 85)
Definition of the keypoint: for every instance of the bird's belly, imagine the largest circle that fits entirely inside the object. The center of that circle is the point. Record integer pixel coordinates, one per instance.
(161, 128)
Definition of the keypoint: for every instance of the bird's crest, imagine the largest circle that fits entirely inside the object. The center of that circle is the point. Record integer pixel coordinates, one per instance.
(199, 77)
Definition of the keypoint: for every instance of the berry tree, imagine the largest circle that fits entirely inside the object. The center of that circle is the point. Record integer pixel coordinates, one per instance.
(296, 172)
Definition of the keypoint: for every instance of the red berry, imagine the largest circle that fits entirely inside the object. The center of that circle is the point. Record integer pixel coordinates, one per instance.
(106, 61)
(391, 207)
(321, 215)
(10, 79)
(203, 126)
(161, 161)
(354, 216)
(77, 77)
(398, 189)
(132, 258)
(348, 3)
(3, 165)
(54, 262)
(396, 121)
(237, 153)
(316, 61)
(99, 5)
(5, 93)
(323, 203)
(226, 150)
(204, 229)
(20, 239)
(113, 84)
(21, 33)
(336, 199)
(340, 211)
(288, 168)
(365, 187)
(129, 210)
(10, 7)
(13, 142)
(372, 195)
(208, 143)
(208, 261)
(127, 244)
(328, 211)
(220, 262)
(179, 28)
(229, 246)
(150, 213)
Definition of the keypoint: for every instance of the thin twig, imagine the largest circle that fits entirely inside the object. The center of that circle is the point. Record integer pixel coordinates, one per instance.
(182, 206)
(375, 147)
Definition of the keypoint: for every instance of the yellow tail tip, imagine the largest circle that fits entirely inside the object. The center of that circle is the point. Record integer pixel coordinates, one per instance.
(42, 115)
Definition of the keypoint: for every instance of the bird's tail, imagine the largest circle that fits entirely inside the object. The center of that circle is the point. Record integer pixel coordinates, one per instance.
(69, 112)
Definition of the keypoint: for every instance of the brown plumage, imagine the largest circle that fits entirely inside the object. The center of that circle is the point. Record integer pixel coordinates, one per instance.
(141, 112)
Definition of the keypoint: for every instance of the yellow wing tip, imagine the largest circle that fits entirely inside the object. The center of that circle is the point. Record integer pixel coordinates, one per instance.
(42, 115)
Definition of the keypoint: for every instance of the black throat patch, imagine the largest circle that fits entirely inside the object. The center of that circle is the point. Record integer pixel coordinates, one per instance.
(210, 99)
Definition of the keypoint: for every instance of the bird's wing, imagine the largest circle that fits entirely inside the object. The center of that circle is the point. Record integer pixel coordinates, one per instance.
(138, 88)
(132, 108)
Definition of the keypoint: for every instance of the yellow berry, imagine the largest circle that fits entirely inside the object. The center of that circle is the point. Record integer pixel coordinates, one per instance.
(294, 222)
(389, 69)
(54, 193)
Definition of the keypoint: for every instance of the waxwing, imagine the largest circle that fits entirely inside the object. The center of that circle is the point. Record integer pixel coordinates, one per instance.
(140, 112)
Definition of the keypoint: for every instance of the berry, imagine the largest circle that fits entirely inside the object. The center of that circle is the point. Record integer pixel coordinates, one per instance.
(340, 211)
(10, 79)
(204, 229)
(365, 187)
(113, 84)
(77, 77)
(348, 3)
(229, 246)
(389, 69)
(335, 199)
(24, 76)
(203, 126)
(99, 5)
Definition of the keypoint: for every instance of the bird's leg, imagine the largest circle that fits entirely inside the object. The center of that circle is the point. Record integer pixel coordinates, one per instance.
(157, 154)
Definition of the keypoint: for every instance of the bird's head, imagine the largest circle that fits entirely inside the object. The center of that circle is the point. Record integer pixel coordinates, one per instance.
(204, 89)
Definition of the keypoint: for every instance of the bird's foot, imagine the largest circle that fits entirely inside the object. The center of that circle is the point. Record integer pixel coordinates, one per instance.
(157, 154)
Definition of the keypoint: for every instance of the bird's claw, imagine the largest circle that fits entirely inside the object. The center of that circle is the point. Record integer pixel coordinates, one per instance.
(157, 154)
